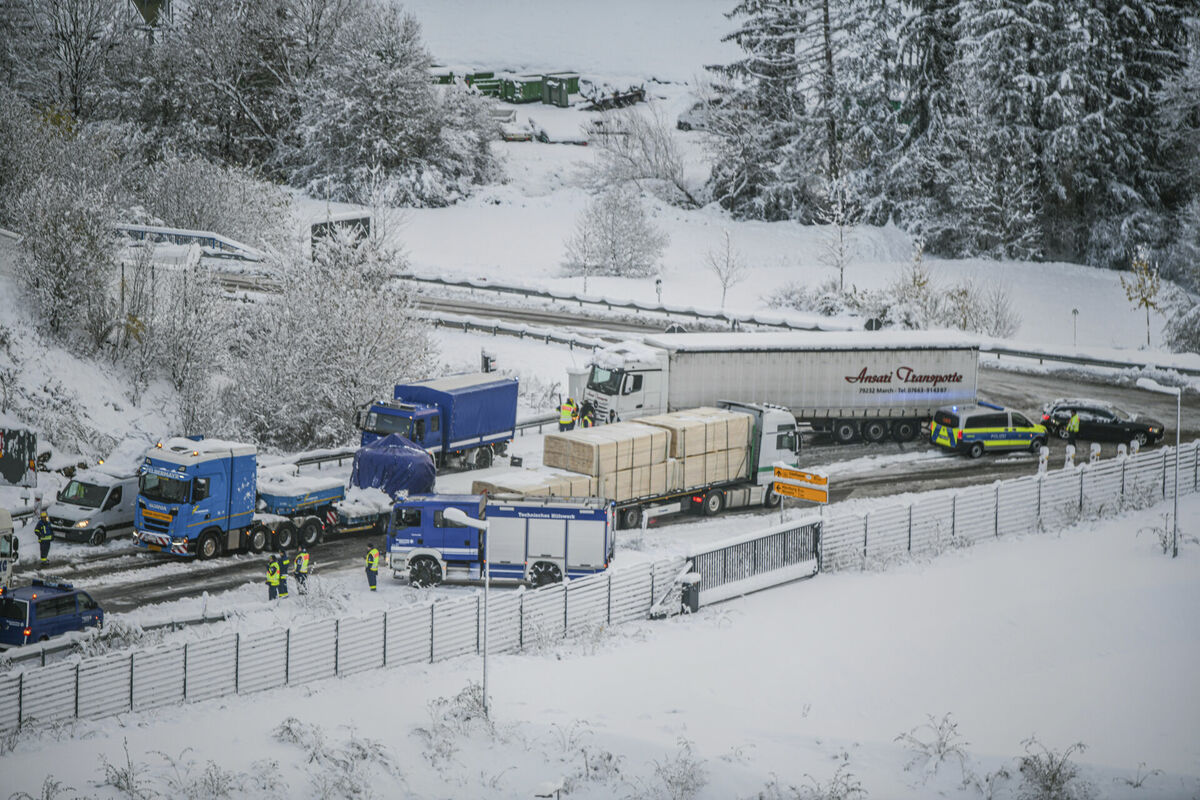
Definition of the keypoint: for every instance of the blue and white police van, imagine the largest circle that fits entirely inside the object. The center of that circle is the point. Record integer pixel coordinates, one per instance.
(537, 540)
(43, 610)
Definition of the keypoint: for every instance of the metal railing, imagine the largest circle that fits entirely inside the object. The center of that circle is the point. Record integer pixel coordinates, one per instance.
(786, 552)
(241, 663)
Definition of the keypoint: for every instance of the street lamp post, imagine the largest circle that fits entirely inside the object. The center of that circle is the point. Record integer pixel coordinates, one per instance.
(1154, 386)
(457, 516)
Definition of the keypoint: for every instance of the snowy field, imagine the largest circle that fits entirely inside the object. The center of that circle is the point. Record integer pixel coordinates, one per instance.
(1068, 638)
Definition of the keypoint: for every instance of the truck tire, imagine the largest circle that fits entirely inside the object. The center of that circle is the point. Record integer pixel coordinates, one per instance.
(976, 450)
(904, 430)
(311, 532)
(483, 458)
(630, 518)
(209, 545)
(874, 430)
(98, 537)
(285, 535)
(845, 431)
(424, 572)
(713, 503)
(258, 537)
(543, 573)
(770, 498)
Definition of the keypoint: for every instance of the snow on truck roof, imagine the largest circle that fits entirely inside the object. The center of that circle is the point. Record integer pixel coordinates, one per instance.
(179, 450)
(812, 340)
(452, 382)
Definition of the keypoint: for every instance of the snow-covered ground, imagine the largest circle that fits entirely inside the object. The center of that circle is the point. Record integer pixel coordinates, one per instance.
(1077, 637)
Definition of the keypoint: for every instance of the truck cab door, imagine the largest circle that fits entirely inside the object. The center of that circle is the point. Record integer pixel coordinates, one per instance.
(633, 393)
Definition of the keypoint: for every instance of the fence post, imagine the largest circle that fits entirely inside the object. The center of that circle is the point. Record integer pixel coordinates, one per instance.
(130, 681)
(566, 603)
(1082, 470)
(385, 629)
(1041, 478)
(954, 516)
(996, 510)
(910, 527)
(1124, 464)
(866, 528)
(237, 660)
(287, 657)
(337, 647)
(77, 687)
(521, 622)
(432, 606)
(1164, 471)
(608, 609)
(478, 623)
(185, 660)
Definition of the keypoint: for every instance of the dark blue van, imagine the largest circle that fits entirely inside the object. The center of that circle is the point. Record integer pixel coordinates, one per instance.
(44, 609)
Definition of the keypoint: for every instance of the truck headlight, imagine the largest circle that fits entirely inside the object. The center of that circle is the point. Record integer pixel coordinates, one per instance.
(83, 523)
(179, 540)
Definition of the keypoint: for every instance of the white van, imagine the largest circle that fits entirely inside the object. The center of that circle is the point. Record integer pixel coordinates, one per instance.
(94, 506)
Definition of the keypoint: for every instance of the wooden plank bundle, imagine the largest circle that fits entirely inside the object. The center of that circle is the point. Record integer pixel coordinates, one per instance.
(537, 483)
(610, 448)
(696, 431)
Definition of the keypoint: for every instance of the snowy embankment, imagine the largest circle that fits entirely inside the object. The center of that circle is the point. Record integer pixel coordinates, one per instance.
(1065, 639)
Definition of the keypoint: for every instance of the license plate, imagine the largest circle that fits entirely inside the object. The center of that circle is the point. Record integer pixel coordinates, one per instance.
(154, 548)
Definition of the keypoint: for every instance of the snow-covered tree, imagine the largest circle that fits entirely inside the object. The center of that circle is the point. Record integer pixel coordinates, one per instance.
(67, 256)
(841, 216)
(341, 334)
(372, 110)
(727, 264)
(614, 236)
(640, 149)
(190, 324)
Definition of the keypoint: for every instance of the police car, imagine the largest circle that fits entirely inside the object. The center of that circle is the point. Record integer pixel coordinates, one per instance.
(44, 609)
(974, 429)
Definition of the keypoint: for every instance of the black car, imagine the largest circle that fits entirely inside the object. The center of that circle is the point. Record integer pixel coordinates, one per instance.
(1100, 421)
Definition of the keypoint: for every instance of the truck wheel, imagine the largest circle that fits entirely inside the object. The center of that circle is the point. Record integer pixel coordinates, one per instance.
(771, 499)
(98, 536)
(258, 538)
(874, 430)
(285, 535)
(209, 546)
(631, 518)
(845, 431)
(976, 450)
(424, 572)
(543, 573)
(483, 458)
(904, 430)
(311, 532)
(714, 501)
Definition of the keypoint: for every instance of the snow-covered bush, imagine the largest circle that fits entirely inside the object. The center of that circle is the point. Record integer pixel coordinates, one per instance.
(1051, 775)
(680, 775)
(371, 110)
(933, 742)
(67, 257)
(188, 191)
(640, 149)
(614, 236)
(340, 334)
(1182, 331)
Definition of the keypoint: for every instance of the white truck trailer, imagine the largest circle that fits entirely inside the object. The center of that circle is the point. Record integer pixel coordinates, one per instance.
(868, 384)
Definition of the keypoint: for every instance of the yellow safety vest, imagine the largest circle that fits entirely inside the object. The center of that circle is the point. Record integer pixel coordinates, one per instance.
(1073, 424)
(302, 563)
(373, 559)
(566, 413)
(273, 573)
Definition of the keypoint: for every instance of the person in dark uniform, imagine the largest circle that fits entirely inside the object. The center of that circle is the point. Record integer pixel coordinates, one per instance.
(45, 534)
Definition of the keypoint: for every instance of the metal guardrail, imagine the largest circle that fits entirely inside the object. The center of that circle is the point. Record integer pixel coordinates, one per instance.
(1085, 360)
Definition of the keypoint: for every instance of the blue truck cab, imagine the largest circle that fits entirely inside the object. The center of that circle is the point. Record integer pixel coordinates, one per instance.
(535, 540)
(461, 420)
(44, 609)
(195, 497)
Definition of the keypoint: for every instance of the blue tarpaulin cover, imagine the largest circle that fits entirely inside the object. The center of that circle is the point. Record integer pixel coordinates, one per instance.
(393, 464)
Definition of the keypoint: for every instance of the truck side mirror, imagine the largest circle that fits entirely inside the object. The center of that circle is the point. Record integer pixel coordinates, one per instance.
(199, 489)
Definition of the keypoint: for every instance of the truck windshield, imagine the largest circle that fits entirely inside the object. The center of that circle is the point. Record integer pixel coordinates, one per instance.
(14, 610)
(163, 489)
(383, 424)
(604, 380)
(88, 495)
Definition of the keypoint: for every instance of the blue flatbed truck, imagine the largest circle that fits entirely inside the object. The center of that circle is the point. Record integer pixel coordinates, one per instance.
(202, 499)
(463, 421)
(533, 540)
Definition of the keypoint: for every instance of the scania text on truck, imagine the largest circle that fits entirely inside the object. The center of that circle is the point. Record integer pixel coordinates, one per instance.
(463, 421)
(862, 384)
(535, 540)
(204, 498)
